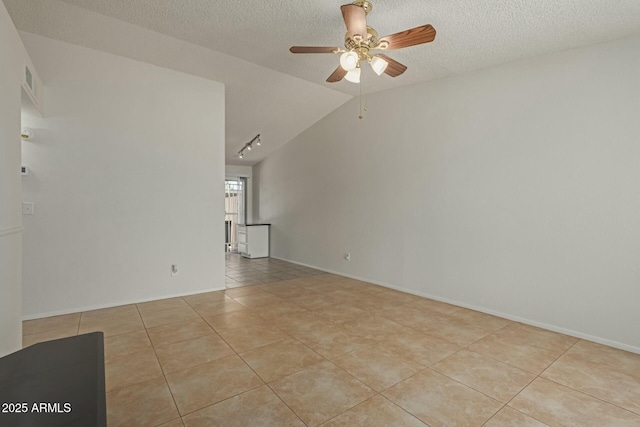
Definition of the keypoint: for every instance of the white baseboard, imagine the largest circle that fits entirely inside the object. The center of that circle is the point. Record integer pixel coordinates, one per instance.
(549, 327)
(100, 306)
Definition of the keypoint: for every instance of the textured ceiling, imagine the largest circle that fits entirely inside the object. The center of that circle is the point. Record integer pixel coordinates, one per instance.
(471, 34)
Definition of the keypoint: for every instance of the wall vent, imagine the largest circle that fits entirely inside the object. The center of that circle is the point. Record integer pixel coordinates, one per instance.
(30, 83)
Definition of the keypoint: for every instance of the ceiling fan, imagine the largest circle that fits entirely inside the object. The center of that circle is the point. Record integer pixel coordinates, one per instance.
(361, 39)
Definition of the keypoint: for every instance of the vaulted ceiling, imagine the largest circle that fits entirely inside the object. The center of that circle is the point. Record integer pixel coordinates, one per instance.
(244, 44)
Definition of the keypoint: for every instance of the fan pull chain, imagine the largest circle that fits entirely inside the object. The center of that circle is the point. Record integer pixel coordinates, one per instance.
(361, 116)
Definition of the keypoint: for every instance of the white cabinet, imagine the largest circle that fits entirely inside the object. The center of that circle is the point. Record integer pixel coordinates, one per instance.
(253, 240)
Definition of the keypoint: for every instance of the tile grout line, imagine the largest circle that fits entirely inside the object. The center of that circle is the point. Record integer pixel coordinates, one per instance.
(510, 364)
(580, 391)
(195, 366)
(529, 383)
(377, 393)
(366, 400)
(250, 367)
(305, 345)
(164, 376)
(430, 367)
(594, 397)
(400, 407)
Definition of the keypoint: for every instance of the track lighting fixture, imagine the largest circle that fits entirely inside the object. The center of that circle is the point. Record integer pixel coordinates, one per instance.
(249, 145)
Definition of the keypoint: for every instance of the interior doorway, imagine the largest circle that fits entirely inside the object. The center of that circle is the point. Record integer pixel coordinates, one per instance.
(235, 202)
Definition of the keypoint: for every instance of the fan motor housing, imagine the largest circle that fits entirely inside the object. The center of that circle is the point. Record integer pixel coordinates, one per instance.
(371, 42)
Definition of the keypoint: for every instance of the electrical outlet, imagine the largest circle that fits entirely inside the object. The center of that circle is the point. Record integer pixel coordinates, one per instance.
(28, 208)
(347, 256)
(174, 269)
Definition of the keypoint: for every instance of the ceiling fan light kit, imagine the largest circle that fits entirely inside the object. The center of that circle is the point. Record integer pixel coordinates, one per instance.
(349, 60)
(353, 75)
(378, 65)
(361, 39)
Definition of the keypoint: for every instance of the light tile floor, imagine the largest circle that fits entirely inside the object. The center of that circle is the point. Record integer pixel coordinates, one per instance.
(290, 346)
(243, 271)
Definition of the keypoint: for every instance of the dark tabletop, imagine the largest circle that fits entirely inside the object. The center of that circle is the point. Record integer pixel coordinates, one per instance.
(55, 383)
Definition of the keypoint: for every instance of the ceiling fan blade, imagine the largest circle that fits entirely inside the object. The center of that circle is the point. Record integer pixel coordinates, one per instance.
(313, 49)
(412, 37)
(337, 75)
(355, 19)
(394, 69)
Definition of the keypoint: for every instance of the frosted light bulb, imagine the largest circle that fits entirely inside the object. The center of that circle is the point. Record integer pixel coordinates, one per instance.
(349, 60)
(353, 76)
(378, 65)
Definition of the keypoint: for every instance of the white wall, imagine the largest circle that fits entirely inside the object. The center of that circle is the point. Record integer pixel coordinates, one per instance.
(258, 99)
(127, 172)
(513, 190)
(238, 171)
(11, 72)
